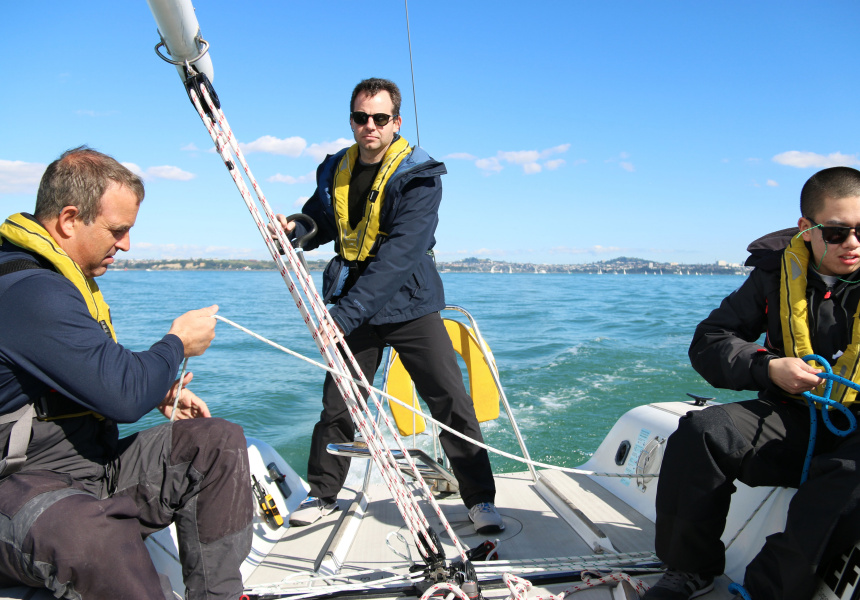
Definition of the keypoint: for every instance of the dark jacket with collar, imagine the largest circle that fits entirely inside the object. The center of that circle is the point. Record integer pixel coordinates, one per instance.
(401, 282)
(727, 349)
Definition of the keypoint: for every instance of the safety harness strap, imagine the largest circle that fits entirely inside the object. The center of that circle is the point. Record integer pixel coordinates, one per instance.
(19, 438)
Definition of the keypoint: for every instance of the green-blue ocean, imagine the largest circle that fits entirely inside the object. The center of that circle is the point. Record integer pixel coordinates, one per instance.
(574, 352)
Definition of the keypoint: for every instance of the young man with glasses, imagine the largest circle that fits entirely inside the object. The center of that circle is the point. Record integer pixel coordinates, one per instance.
(803, 295)
(378, 200)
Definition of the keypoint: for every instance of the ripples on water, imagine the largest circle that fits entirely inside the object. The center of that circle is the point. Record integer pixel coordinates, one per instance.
(574, 351)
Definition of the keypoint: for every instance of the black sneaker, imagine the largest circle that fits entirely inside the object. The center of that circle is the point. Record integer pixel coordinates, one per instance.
(677, 585)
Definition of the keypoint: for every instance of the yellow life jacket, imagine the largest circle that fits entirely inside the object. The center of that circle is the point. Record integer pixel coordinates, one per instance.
(794, 316)
(358, 244)
(30, 235)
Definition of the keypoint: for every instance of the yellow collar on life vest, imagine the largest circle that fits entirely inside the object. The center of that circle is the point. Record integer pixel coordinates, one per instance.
(794, 316)
(358, 244)
(28, 234)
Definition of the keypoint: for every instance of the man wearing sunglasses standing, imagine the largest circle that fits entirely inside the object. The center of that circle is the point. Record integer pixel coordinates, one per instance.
(804, 295)
(378, 200)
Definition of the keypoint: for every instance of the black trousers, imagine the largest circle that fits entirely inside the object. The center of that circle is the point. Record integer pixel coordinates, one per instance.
(429, 358)
(84, 539)
(760, 443)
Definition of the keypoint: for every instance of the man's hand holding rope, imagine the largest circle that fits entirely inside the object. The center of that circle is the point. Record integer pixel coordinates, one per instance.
(189, 405)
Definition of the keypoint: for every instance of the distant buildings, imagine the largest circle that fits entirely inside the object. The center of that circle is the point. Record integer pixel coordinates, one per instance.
(616, 266)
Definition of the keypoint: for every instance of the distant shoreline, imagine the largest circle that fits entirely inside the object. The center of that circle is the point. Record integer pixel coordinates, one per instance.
(617, 266)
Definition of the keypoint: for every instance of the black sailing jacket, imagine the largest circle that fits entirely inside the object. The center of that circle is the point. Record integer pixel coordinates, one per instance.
(727, 349)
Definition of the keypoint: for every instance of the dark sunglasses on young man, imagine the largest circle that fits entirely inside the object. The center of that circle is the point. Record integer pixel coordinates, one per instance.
(380, 119)
(836, 234)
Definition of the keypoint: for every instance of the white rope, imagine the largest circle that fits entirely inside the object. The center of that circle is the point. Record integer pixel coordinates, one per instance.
(429, 418)
(179, 391)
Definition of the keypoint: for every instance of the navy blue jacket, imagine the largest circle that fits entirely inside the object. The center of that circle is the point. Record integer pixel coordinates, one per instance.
(401, 282)
(48, 340)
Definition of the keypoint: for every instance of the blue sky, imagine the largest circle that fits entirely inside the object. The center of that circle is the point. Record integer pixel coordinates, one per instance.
(572, 131)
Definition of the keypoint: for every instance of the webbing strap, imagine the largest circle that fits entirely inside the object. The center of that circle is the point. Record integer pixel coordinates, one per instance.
(19, 438)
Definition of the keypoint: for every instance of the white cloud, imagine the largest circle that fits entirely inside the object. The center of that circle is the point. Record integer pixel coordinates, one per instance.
(300, 201)
(190, 148)
(291, 146)
(168, 172)
(307, 178)
(772, 183)
(560, 149)
(460, 156)
(160, 172)
(134, 169)
(319, 151)
(520, 157)
(803, 160)
(19, 177)
(622, 161)
(489, 165)
(529, 160)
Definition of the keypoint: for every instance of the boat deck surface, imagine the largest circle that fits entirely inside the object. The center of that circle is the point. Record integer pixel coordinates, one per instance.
(537, 527)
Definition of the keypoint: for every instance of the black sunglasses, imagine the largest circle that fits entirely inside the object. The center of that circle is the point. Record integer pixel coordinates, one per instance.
(835, 234)
(380, 119)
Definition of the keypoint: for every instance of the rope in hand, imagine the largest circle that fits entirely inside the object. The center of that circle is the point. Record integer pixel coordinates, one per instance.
(830, 377)
(179, 389)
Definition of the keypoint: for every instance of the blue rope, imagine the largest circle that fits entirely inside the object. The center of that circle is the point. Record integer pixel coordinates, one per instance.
(825, 400)
(738, 590)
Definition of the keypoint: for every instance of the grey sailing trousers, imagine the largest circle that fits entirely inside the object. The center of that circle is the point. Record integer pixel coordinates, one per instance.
(83, 543)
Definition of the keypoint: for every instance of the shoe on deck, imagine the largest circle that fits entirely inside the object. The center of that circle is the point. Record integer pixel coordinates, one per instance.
(486, 518)
(677, 585)
(312, 510)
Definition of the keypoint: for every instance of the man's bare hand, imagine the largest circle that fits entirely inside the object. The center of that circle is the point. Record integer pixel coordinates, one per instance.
(793, 375)
(189, 406)
(196, 329)
(287, 226)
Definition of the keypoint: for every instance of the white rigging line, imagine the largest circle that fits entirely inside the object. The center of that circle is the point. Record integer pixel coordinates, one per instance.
(429, 418)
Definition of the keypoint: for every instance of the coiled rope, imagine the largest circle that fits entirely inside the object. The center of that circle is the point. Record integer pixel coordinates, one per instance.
(829, 376)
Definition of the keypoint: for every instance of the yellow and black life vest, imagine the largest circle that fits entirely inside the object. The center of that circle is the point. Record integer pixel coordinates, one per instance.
(794, 317)
(360, 243)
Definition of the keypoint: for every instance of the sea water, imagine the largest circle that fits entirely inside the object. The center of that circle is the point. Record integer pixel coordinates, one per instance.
(574, 352)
